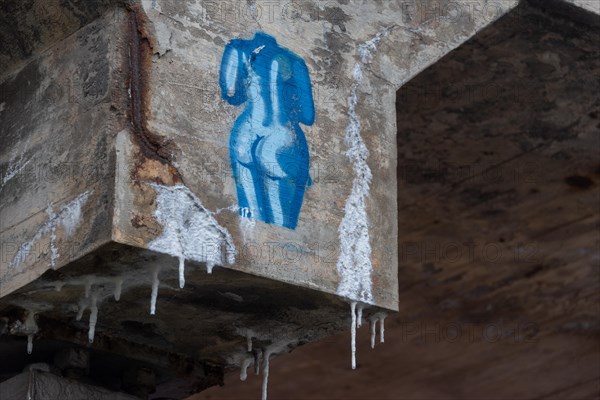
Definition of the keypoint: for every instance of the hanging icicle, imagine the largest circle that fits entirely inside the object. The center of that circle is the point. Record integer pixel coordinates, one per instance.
(118, 288)
(88, 286)
(359, 316)
(29, 343)
(353, 333)
(209, 266)
(258, 356)
(265, 381)
(30, 328)
(274, 348)
(249, 340)
(379, 317)
(155, 283)
(373, 321)
(93, 317)
(247, 362)
(382, 316)
(82, 306)
(181, 271)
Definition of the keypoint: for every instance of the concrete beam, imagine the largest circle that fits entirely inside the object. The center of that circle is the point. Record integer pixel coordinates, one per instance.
(118, 168)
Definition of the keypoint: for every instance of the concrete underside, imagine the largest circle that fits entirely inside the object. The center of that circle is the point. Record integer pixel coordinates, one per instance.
(196, 330)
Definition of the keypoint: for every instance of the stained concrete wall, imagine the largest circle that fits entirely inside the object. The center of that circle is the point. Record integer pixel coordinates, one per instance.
(129, 107)
(59, 112)
(385, 42)
(151, 73)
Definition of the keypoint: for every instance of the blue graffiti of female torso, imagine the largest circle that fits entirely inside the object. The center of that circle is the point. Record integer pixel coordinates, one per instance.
(268, 150)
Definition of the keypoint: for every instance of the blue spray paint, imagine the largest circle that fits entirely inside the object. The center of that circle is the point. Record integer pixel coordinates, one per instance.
(268, 150)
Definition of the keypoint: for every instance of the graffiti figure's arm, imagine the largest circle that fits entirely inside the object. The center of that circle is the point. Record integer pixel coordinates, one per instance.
(233, 74)
(306, 106)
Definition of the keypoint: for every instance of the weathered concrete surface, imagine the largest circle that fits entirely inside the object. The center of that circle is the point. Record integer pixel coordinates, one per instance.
(164, 143)
(142, 111)
(186, 113)
(589, 5)
(59, 114)
(28, 28)
(195, 332)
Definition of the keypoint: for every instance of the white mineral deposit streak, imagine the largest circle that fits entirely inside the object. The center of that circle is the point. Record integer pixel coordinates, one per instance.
(68, 217)
(155, 283)
(15, 165)
(53, 249)
(353, 333)
(190, 231)
(354, 262)
(93, 317)
(13, 170)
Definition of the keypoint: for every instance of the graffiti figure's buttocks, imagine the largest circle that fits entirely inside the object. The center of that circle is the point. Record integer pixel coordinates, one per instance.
(268, 150)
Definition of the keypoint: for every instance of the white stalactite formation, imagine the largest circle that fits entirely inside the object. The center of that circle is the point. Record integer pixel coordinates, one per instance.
(354, 262)
(190, 231)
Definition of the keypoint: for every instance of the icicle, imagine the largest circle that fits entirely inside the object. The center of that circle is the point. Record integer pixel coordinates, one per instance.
(209, 266)
(93, 317)
(88, 286)
(353, 333)
(273, 348)
(82, 307)
(249, 360)
(373, 330)
(181, 272)
(118, 287)
(359, 316)
(249, 341)
(382, 327)
(265, 381)
(155, 283)
(29, 343)
(30, 328)
(258, 355)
